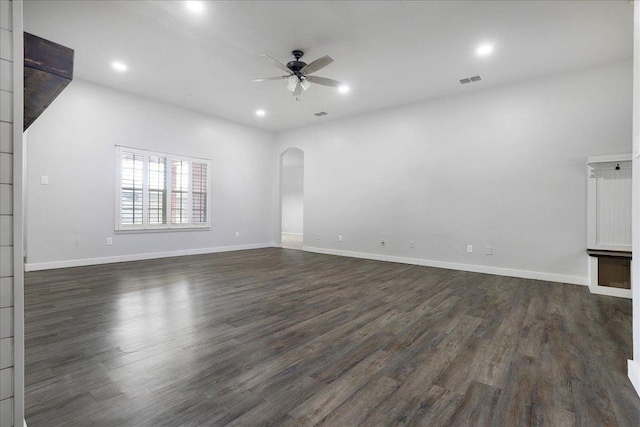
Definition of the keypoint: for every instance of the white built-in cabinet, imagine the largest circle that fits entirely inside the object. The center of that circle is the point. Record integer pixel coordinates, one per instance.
(608, 219)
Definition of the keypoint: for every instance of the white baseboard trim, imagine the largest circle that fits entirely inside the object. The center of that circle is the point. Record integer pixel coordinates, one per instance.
(549, 277)
(609, 291)
(139, 257)
(292, 234)
(576, 280)
(634, 374)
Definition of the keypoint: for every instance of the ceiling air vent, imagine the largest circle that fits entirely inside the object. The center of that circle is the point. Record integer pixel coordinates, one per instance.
(320, 114)
(471, 79)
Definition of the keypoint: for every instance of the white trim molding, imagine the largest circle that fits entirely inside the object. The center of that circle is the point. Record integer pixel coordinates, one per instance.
(499, 271)
(634, 374)
(19, 189)
(145, 256)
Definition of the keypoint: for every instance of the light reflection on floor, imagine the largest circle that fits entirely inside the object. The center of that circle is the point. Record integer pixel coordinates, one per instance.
(144, 315)
(292, 241)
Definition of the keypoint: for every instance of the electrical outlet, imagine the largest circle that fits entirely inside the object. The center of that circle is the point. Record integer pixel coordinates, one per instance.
(488, 250)
(469, 249)
(109, 241)
(237, 234)
(339, 237)
(412, 244)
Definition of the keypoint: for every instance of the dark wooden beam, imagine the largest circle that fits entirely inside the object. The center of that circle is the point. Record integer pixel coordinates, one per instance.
(48, 69)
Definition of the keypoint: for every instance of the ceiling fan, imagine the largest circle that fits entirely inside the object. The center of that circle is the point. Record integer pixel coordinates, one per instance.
(298, 73)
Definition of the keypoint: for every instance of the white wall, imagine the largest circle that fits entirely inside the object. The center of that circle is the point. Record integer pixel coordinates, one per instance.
(503, 168)
(73, 142)
(292, 191)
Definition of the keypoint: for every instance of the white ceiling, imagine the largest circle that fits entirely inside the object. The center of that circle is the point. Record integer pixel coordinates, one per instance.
(390, 53)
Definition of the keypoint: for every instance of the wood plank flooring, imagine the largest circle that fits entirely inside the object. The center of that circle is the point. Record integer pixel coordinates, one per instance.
(288, 338)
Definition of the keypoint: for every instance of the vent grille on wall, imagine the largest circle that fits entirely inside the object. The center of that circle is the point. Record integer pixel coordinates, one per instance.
(320, 114)
(471, 79)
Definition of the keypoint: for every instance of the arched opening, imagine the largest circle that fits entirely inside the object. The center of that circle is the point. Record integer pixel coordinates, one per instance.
(292, 198)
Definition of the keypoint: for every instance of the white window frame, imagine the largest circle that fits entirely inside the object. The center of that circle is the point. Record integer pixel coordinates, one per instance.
(168, 226)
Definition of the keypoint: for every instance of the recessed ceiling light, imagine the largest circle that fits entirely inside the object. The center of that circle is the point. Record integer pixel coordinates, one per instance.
(119, 66)
(343, 89)
(260, 113)
(195, 6)
(484, 49)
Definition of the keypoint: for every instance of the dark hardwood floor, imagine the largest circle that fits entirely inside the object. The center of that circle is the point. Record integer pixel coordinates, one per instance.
(288, 338)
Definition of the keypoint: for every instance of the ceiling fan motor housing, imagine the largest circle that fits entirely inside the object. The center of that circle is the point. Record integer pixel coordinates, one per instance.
(297, 65)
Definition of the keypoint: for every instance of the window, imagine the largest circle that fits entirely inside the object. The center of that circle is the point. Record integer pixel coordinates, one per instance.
(161, 191)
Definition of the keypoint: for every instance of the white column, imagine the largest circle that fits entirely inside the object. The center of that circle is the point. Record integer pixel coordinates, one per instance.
(634, 365)
(11, 263)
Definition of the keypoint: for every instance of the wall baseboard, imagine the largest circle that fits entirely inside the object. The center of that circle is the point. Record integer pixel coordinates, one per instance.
(576, 280)
(292, 234)
(634, 374)
(139, 257)
(524, 274)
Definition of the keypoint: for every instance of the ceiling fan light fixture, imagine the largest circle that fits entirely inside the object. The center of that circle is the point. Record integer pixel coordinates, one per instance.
(293, 82)
(298, 74)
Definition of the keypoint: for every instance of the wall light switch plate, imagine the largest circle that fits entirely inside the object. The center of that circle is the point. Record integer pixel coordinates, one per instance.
(44, 180)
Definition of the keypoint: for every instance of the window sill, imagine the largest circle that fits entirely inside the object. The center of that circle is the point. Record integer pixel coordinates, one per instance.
(161, 230)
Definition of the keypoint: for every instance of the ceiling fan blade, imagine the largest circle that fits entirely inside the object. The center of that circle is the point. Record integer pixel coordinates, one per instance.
(316, 65)
(264, 79)
(324, 81)
(276, 63)
(298, 90)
